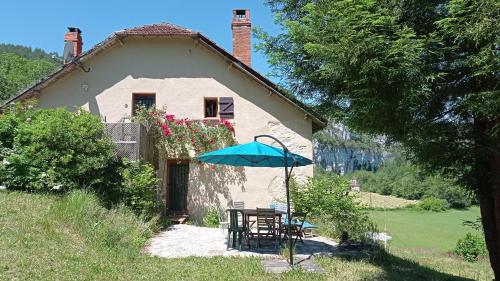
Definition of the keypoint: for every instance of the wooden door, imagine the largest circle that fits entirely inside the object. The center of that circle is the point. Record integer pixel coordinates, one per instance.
(178, 175)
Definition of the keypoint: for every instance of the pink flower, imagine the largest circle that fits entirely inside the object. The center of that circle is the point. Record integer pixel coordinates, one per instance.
(169, 117)
(227, 124)
(165, 129)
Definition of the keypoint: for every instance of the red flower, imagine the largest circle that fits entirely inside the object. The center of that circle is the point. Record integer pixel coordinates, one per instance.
(169, 117)
(227, 124)
(165, 129)
(203, 136)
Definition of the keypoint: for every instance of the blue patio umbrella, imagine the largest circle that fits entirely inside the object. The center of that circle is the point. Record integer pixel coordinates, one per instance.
(257, 154)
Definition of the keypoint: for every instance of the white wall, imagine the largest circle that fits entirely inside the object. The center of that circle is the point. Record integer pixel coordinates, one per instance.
(181, 74)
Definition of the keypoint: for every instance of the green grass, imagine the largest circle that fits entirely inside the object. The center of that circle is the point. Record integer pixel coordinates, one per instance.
(375, 200)
(44, 237)
(425, 230)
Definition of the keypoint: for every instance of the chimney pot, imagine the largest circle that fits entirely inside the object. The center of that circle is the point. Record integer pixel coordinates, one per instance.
(241, 28)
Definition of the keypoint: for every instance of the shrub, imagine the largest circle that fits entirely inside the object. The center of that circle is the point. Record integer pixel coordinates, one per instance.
(211, 219)
(138, 189)
(433, 204)
(325, 196)
(471, 247)
(57, 150)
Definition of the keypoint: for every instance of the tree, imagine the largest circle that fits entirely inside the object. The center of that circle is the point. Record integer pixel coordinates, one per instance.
(424, 73)
(17, 73)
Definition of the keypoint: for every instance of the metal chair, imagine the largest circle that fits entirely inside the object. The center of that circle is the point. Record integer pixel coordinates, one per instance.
(298, 219)
(266, 224)
(235, 229)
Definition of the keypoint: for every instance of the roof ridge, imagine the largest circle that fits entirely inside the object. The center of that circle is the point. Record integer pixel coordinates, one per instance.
(158, 28)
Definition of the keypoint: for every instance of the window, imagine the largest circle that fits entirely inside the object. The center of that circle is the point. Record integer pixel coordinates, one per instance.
(146, 100)
(210, 107)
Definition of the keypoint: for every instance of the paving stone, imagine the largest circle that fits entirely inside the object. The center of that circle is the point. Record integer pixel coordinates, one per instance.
(183, 240)
(275, 265)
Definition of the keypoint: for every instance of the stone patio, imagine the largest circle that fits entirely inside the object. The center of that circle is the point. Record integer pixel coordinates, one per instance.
(182, 240)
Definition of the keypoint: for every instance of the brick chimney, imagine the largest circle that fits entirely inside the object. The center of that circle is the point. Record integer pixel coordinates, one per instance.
(74, 35)
(241, 27)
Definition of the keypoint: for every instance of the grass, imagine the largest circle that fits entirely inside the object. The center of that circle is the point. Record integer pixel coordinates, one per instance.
(374, 200)
(425, 230)
(73, 238)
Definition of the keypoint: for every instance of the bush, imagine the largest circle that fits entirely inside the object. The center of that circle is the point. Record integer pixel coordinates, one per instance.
(471, 247)
(325, 197)
(138, 189)
(57, 150)
(54, 150)
(211, 219)
(433, 204)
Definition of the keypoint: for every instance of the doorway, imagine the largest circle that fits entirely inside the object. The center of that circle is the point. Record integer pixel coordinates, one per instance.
(178, 177)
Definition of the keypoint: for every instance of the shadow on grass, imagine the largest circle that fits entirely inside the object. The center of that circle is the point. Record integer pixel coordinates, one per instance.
(398, 268)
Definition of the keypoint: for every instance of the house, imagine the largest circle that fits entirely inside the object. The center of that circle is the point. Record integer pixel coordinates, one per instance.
(167, 65)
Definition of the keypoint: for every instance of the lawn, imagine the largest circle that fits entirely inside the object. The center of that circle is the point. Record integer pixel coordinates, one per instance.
(72, 238)
(424, 230)
(374, 200)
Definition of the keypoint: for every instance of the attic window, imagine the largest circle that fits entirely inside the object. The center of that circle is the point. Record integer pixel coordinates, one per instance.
(210, 107)
(241, 14)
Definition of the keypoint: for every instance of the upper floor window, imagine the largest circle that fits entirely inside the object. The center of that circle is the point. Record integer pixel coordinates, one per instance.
(211, 107)
(146, 100)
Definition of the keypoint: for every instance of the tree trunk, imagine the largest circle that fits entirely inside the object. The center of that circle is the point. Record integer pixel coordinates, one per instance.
(488, 178)
(489, 201)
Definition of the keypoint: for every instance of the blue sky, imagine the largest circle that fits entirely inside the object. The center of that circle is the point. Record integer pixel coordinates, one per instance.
(42, 24)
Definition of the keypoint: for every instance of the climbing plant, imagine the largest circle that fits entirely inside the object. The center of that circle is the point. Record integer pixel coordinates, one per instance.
(182, 137)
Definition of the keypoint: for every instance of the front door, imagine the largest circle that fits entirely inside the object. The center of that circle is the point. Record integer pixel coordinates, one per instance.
(178, 175)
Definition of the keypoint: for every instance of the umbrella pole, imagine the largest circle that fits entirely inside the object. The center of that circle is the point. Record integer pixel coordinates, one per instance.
(287, 187)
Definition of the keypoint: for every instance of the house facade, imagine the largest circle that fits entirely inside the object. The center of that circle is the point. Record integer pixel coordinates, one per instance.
(183, 71)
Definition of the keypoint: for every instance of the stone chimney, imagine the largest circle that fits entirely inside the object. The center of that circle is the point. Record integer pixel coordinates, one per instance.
(241, 27)
(73, 43)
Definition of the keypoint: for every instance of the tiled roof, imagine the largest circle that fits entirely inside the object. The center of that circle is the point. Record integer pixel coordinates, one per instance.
(157, 29)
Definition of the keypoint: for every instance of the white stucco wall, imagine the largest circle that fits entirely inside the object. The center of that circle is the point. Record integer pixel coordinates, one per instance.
(181, 73)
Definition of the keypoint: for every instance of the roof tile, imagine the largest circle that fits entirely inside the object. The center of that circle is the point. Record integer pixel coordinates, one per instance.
(157, 29)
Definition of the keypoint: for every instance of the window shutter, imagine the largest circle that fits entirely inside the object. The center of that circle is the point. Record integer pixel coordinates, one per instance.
(226, 108)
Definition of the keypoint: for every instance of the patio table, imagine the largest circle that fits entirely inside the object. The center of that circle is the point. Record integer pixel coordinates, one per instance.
(253, 213)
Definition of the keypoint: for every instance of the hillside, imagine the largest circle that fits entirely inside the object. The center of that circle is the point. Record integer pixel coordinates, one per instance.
(22, 66)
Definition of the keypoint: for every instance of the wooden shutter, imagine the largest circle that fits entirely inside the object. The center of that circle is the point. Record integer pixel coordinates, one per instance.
(226, 108)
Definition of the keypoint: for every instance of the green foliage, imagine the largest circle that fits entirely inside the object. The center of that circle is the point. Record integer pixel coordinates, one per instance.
(399, 178)
(423, 73)
(181, 138)
(471, 247)
(56, 150)
(17, 73)
(325, 197)
(433, 204)
(211, 218)
(138, 189)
